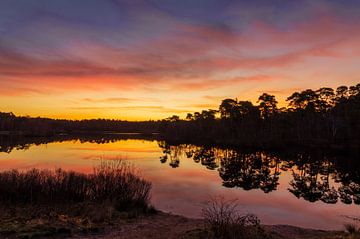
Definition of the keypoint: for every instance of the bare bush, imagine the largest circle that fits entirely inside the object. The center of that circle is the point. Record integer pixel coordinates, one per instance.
(224, 221)
(114, 181)
(353, 229)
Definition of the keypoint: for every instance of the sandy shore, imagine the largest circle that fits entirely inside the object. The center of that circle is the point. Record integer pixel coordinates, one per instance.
(163, 225)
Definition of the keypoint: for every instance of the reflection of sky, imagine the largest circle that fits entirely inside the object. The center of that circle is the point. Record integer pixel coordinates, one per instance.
(121, 58)
(182, 190)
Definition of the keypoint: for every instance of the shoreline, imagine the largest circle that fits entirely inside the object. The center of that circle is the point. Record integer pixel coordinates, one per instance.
(335, 148)
(167, 225)
(97, 221)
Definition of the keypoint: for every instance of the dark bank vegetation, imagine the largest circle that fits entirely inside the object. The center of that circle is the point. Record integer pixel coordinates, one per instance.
(11, 124)
(46, 203)
(325, 117)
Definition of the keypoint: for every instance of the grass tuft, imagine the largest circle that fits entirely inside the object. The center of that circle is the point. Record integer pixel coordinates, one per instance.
(353, 229)
(223, 220)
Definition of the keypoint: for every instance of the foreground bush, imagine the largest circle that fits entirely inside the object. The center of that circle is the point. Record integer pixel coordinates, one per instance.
(223, 221)
(115, 181)
(353, 229)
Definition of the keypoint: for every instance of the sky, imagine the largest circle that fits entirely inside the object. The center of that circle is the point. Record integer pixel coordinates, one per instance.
(150, 59)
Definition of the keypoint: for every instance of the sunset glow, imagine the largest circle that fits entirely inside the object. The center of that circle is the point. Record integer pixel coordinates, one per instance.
(141, 60)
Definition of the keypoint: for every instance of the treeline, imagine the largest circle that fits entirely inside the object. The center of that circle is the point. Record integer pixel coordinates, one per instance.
(11, 124)
(325, 117)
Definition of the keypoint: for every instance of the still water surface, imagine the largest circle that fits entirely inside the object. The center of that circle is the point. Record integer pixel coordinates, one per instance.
(185, 176)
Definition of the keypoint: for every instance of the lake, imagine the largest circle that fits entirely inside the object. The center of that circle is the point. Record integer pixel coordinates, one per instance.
(304, 189)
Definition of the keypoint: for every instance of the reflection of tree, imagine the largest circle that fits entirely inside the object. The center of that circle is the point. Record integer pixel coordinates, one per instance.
(207, 158)
(307, 187)
(18, 142)
(312, 182)
(8, 144)
(307, 183)
(170, 153)
(271, 178)
(350, 192)
(315, 176)
(249, 171)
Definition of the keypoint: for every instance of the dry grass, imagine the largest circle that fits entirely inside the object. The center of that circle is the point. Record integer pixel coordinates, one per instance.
(353, 229)
(114, 181)
(223, 220)
(55, 203)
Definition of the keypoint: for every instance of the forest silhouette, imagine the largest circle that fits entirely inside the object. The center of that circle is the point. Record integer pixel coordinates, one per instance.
(324, 117)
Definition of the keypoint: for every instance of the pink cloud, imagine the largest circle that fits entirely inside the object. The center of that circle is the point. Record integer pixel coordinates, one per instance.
(179, 59)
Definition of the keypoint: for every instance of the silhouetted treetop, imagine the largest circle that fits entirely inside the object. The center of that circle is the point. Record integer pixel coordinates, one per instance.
(325, 117)
(267, 105)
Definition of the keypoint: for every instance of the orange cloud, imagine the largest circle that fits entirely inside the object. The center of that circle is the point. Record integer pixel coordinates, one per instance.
(192, 59)
(205, 84)
(196, 52)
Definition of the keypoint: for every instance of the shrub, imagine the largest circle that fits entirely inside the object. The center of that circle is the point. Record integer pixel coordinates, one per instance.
(223, 220)
(353, 229)
(114, 181)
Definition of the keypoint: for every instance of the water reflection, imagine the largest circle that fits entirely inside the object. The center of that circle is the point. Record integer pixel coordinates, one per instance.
(10, 143)
(309, 189)
(316, 176)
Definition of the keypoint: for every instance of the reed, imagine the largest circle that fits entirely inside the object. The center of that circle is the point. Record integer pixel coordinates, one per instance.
(112, 181)
(224, 221)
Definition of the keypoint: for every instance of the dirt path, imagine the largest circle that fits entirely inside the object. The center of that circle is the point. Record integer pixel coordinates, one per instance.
(169, 226)
(161, 225)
